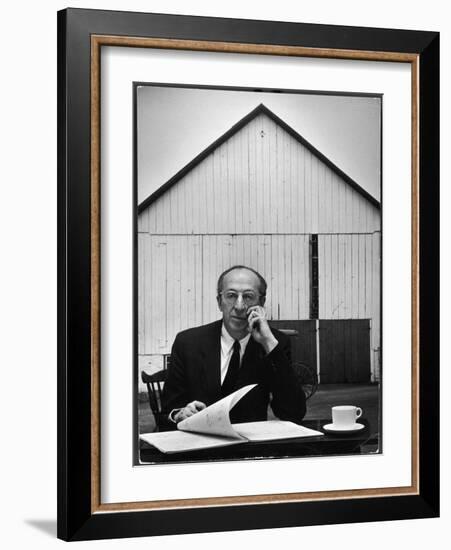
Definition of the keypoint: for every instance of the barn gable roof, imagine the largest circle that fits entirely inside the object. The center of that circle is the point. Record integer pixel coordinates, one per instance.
(260, 109)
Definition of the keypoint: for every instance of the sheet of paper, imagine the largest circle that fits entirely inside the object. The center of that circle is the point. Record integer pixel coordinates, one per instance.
(176, 441)
(215, 419)
(273, 429)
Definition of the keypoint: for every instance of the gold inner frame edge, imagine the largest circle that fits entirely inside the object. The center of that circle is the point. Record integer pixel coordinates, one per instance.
(97, 41)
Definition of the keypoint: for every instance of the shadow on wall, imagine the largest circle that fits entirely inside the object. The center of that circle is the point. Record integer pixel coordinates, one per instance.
(47, 526)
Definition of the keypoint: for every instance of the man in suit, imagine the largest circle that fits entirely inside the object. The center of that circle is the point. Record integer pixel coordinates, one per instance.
(211, 361)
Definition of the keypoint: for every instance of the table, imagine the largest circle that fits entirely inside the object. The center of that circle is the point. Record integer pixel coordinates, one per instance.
(326, 445)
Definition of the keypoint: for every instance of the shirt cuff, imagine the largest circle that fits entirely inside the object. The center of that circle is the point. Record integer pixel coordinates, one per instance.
(172, 414)
(274, 346)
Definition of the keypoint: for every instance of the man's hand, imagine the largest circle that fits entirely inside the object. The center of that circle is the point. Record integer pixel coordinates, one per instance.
(190, 409)
(259, 328)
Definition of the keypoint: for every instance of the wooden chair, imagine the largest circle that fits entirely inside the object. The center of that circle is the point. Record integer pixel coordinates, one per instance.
(154, 383)
(306, 375)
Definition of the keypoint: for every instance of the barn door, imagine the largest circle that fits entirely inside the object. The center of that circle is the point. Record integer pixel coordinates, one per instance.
(344, 351)
(303, 345)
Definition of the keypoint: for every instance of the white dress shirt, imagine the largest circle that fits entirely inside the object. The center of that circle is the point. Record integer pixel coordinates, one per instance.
(227, 350)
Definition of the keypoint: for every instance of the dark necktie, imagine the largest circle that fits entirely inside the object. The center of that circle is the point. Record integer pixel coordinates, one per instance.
(231, 377)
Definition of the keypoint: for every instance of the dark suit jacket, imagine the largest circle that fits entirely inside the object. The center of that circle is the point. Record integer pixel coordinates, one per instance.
(194, 374)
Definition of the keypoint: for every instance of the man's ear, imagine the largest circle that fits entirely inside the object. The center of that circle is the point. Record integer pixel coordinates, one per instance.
(218, 300)
(262, 300)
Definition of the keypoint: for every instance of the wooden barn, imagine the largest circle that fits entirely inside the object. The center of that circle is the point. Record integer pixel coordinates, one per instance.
(262, 196)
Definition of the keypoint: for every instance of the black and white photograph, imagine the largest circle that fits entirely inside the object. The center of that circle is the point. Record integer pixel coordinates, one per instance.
(257, 273)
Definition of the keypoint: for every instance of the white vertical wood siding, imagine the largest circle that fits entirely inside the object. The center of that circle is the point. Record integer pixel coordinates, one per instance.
(349, 282)
(178, 276)
(260, 181)
(170, 293)
(255, 200)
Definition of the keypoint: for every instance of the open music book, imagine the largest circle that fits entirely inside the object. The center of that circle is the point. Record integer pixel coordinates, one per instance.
(211, 427)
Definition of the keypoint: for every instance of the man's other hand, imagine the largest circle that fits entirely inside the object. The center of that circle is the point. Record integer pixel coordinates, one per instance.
(190, 409)
(259, 328)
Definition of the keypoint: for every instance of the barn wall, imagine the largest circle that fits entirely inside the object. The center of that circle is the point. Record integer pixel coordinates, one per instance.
(170, 292)
(349, 282)
(178, 274)
(260, 181)
(256, 200)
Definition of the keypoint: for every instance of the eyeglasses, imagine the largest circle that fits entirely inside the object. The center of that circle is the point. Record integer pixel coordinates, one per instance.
(249, 298)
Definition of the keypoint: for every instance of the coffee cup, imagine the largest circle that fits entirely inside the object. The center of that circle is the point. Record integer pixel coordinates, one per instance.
(345, 416)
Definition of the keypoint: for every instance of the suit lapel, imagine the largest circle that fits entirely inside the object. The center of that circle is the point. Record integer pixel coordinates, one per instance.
(211, 362)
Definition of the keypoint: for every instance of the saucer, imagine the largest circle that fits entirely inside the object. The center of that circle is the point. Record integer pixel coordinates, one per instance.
(348, 430)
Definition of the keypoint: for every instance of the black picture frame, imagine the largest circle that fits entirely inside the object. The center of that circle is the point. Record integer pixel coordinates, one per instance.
(79, 515)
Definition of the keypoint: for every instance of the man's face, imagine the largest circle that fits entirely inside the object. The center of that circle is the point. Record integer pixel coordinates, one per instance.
(234, 314)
